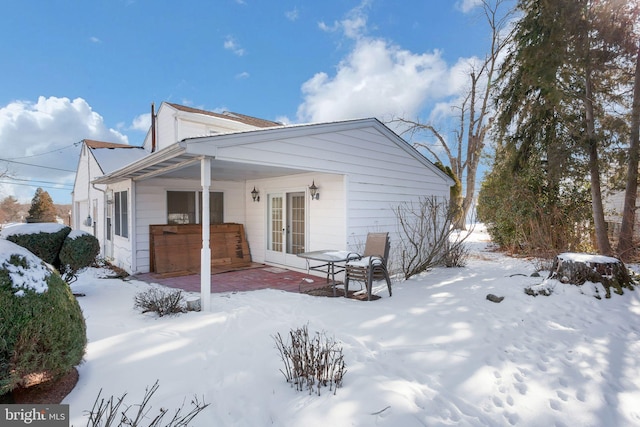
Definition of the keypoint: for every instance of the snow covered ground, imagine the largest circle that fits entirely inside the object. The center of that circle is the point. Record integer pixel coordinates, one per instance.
(437, 353)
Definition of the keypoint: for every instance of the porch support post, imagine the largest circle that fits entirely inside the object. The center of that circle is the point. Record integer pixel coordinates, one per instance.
(205, 253)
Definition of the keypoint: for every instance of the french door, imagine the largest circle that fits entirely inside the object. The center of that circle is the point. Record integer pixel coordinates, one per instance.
(286, 228)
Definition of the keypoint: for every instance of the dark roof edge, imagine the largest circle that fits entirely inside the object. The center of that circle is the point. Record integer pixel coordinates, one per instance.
(237, 117)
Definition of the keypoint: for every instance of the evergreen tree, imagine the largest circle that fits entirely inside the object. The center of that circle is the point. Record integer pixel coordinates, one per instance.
(9, 210)
(42, 208)
(557, 89)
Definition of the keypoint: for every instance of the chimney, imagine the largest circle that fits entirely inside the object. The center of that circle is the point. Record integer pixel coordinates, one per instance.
(153, 127)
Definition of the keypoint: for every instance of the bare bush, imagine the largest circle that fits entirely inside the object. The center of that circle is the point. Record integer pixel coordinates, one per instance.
(108, 413)
(455, 255)
(311, 362)
(427, 236)
(160, 301)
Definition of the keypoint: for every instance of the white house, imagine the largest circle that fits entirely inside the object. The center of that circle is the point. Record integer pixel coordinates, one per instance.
(361, 168)
(614, 207)
(92, 209)
(88, 207)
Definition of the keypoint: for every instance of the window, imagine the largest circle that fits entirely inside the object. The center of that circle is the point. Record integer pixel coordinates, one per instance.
(182, 207)
(121, 213)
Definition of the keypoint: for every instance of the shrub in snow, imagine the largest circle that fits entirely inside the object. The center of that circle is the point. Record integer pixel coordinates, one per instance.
(43, 239)
(107, 413)
(311, 362)
(427, 236)
(455, 255)
(161, 302)
(42, 330)
(79, 251)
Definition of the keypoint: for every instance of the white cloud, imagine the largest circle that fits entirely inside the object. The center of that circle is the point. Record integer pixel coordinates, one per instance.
(231, 44)
(379, 78)
(292, 15)
(142, 122)
(375, 79)
(242, 75)
(283, 119)
(467, 5)
(95, 40)
(47, 133)
(353, 26)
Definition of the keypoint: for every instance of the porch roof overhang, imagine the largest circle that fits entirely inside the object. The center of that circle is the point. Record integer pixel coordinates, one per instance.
(182, 161)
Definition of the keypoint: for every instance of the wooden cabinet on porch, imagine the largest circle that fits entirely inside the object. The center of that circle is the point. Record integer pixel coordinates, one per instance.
(175, 249)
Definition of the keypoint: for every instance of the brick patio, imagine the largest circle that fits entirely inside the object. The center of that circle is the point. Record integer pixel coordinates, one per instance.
(258, 276)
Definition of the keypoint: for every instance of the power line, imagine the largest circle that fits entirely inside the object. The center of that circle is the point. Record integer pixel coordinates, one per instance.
(47, 152)
(35, 180)
(37, 166)
(35, 185)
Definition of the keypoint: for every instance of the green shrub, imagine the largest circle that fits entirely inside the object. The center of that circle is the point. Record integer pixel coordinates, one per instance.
(42, 329)
(44, 240)
(79, 251)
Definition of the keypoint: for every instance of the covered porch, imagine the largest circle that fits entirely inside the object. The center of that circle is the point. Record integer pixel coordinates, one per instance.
(270, 204)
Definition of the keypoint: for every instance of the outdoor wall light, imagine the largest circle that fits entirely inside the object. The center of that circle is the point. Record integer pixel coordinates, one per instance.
(255, 194)
(313, 191)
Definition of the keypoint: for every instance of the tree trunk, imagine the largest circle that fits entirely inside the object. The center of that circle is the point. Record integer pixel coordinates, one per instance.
(602, 239)
(467, 202)
(625, 241)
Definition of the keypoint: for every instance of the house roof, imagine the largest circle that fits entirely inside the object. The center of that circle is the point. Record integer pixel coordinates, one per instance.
(180, 159)
(252, 121)
(102, 144)
(110, 157)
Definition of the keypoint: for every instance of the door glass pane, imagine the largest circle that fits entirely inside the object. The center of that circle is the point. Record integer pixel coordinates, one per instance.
(295, 226)
(275, 223)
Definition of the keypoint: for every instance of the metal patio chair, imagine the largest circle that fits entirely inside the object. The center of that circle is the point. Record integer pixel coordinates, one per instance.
(371, 265)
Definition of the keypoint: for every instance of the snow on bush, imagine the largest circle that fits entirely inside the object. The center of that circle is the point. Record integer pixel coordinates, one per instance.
(33, 228)
(27, 271)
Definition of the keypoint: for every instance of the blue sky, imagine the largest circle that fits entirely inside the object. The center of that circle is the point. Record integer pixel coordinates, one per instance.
(91, 69)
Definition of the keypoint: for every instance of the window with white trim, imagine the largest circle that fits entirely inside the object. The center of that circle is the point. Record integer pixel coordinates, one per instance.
(121, 213)
(182, 207)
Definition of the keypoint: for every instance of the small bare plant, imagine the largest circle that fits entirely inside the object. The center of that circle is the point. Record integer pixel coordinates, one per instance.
(311, 362)
(427, 236)
(160, 301)
(456, 255)
(107, 413)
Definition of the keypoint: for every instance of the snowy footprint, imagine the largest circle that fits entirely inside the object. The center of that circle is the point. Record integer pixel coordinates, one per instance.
(562, 395)
(555, 404)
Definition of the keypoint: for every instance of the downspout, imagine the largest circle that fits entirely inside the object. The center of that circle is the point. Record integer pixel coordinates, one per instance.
(104, 216)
